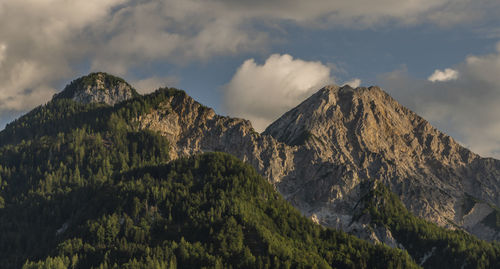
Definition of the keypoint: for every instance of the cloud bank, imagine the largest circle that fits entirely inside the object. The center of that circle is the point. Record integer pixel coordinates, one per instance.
(261, 93)
(466, 107)
(46, 42)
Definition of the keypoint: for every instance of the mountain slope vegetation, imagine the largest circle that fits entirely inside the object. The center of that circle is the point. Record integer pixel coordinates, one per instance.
(430, 245)
(206, 211)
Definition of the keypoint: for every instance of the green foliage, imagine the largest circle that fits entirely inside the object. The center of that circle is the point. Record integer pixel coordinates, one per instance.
(450, 249)
(49, 263)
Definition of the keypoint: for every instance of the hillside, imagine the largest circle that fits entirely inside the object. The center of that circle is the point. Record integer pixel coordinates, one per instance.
(207, 211)
(381, 212)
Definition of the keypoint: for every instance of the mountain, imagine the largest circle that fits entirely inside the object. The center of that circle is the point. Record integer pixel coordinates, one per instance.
(95, 184)
(94, 191)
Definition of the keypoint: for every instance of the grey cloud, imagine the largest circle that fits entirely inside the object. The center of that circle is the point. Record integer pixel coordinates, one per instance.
(466, 108)
(174, 30)
(41, 41)
(368, 13)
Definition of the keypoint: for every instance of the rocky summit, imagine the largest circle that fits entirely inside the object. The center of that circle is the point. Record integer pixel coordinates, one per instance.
(98, 88)
(326, 154)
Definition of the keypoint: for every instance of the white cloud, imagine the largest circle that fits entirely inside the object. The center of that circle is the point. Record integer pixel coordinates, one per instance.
(466, 108)
(354, 83)
(261, 93)
(445, 75)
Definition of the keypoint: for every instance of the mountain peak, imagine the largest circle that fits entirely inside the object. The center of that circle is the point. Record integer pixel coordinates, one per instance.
(367, 119)
(330, 105)
(98, 87)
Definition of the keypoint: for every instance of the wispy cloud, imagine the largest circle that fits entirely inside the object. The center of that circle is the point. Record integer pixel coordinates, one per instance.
(354, 83)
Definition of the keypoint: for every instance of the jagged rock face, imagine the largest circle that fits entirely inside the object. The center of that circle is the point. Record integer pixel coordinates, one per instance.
(192, 128)
(319, 154)
(98, 88)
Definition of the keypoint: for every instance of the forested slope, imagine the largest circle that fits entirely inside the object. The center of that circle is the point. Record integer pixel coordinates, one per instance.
(431, 246)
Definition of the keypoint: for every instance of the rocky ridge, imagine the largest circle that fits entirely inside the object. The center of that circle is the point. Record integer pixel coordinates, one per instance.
(319, 154)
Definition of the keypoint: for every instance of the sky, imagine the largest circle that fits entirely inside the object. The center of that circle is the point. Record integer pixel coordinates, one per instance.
(258, 59)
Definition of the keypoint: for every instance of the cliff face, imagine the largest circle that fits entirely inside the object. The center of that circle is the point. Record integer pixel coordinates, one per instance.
(321, 154)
